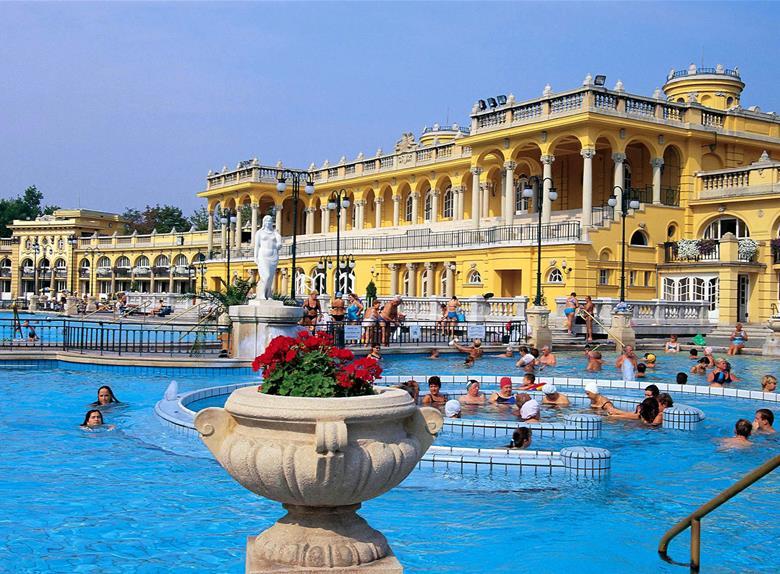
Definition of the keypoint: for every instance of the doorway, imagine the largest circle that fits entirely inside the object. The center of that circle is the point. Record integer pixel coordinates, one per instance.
(743, 295)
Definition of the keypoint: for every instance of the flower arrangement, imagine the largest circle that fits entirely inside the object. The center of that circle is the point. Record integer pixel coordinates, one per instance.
(309, 365)
(688, 249)
(747, 249)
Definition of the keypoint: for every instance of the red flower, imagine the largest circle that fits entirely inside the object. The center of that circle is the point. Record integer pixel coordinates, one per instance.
(290, 355)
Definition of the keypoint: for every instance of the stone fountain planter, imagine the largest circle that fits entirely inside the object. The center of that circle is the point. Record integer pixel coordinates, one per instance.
(771, 346)
(321, 458)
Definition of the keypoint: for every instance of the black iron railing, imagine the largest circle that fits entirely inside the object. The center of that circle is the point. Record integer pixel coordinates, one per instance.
(105, 337)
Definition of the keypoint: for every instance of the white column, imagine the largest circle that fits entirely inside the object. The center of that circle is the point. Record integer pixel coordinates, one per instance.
(428, 280)
(255, 210)
(393, 278)
(412, 269)
(587, 188)
(508, 206)
(396, 210)
(343, 217)
(415, 207)
(434, 205)
(285, 286)
(547, 161)
(657, 163)
(309, 221)
(361, 213)
(618, 158)
(324, 219)
(450, 266)
(210, 244)
(237, 234)
(278, 209)
(459, 204)
(223, 237)
(487, 188)
(378, 213)
(475, 192)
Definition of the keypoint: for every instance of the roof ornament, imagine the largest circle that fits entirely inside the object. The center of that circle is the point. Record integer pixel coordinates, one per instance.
(619, 86)
(547, 90)
(588, 81)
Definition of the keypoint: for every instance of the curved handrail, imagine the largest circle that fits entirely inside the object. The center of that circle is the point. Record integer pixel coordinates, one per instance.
(610, 333)
(694, 519)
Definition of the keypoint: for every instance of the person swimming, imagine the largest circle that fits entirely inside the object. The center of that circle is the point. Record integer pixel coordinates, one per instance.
(105, 397)
(93, 420)
(741, 439)
(521, 438)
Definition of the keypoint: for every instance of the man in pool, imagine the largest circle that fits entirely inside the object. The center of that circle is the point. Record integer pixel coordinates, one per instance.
(763, 422)
(527, 360)
(473, 352)
(472, 396)
(553, 397)
(627, 362)
(547, 359)
(595, 362)
(598, 401)
(434, 398)
(741, 438)
(641, 371)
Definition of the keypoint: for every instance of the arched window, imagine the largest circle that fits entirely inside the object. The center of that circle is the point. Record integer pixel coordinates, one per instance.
(162, 261)
(60, 264)
(555, 276)
(198, 258)
(447, 203)
(5, 263)
(123, 262)
(475, 278)
(408, 208)
(443, 283)
(425, 282)
(84, 264)
(142, 261)
(428, 210)
(104, 262)
(44, 264)
(638, 238)
(405, 283)
(626, 175)
(521, 203)
(723, 225)
(180, 260)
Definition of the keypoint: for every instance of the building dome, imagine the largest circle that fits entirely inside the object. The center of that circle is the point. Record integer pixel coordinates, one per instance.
(718, 88)
(439, 134)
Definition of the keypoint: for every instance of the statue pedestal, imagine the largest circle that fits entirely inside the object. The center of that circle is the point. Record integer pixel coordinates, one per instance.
(538, 319)
(91, 305)
(771, 346)
(255, 324)
(32, 303)
(621, 330)
(71, 306)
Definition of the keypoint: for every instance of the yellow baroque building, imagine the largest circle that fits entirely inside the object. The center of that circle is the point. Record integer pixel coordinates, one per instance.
(444, 213)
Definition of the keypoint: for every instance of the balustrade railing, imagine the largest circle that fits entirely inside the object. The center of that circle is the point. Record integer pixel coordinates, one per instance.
(566, 103)
(527, 112)
(724, 181)
(712, 119)
(640, 107)
(672, 255)
(647, 313)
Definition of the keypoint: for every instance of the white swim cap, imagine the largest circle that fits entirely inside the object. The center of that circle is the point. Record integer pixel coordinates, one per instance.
(592, 387)
(549, 389)
(452, 408)
(530, 409)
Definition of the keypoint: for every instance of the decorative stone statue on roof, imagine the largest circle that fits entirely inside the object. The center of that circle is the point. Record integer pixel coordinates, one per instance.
(268, 242)
(406, 143)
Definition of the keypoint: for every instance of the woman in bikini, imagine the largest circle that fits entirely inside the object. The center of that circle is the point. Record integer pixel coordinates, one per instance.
(311, 310)
(570, 311)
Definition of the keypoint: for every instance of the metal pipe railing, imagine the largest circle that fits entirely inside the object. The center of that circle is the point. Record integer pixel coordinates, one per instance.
(694, 520)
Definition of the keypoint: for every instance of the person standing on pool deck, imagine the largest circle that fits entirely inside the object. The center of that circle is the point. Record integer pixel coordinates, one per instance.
(472, 396)
(626, 362)
(763, 422)
(590, 309)
(570, 311)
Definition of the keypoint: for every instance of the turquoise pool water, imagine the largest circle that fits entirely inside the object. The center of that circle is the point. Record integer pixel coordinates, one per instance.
(145, 499)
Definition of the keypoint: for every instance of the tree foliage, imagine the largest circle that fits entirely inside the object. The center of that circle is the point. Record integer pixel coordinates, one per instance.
(25, 206)
(159, 218)
(200, 219)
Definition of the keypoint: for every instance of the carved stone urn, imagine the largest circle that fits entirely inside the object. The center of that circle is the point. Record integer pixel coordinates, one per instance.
(320, 458)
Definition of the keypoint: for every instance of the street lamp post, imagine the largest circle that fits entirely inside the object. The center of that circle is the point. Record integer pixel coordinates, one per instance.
(337, 201)
(73, 242)
(538, 198)
(228, 220)
(281, 186)
(323, 265)
(626, 203)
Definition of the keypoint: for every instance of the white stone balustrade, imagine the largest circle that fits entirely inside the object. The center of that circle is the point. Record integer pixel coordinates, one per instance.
(652, 313)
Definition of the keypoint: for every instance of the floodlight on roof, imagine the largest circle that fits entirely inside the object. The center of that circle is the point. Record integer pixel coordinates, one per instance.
(492, 102)
(501, 99)
(482, 105)
(600, 80)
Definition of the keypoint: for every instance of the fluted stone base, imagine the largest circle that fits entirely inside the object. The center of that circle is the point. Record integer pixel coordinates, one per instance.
(320, 539)
(255, 324)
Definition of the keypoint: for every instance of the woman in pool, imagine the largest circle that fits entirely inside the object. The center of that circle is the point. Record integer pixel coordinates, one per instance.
(672, 345)
(721, 374)
(94, 419)
(504, 396)
(521, 438)
(472, 396)
(434, 398)
(528, 408)
(570, 311)
(648, 412)
(738, 340)
(769, 383)
(700, 368)
(598, 401)
(710, 358)
(105, 397)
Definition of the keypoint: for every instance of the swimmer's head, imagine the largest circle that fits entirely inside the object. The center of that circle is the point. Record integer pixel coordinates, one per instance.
(743, 428)
(477, 342)
(505, 382)
(452, 409)
(591, 388)
(549, 389)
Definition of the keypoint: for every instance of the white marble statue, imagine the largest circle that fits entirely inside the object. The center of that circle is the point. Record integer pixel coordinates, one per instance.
(268, 242)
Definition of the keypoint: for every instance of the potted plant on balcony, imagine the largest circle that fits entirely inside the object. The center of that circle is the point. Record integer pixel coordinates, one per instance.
(747, 249)
(688, 249)
(318, 437)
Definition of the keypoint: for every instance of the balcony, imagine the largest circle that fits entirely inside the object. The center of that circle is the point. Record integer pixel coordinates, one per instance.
(707, 251)
(161, 270)
(5, 271)
(761, 177)
(121, 271)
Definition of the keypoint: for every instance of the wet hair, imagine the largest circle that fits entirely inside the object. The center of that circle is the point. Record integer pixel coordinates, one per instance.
(665, 399)
(727, 367)
(596, 354)
(694, 352)
(641, 368)
(767, 379)
(113, 398)
(535, 352)
(523, 349)
(682, 378)
(648, 409)
(703, 361)
(743, 428)
(653, 390)
(530, 377)
(521, 437)
(89, 414)
(766, 415)
(434, 380)
(521, 399)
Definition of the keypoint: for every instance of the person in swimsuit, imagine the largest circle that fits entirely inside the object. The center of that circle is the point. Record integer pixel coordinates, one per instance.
(762, 423)
(338, 309)
(371, 323)
(570, 311)
(528, 408)
(105, 397)
(709, 356)
(553, 397)
(597, 401)
(389, 318)
(472, 396)
(452, 409)
(547, 359)
(355, 309)
(627, 362)
(529, 383)
(700, 368)
(434, 398)
(595, 362)
(590, 309)
(521, 438)
(738, 340)
(769, 383)
(31, 334)
(672, 345)
(721, 374)
(508, 354)
(647, 412)
(741, 438)
(504, 396)
(311, 309)
(94, 419)
(473, 352)
(453, 307)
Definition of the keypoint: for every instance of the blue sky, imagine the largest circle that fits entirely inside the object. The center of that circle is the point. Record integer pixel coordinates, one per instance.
(121, 104)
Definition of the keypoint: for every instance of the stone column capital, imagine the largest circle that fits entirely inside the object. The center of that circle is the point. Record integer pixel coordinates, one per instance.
(476, 170)
(428, 265)
(324, 208)
(618, 157)
(310, 209)
(254, 205)
(415, 195)
(279, 207)
(547, 159)
(411, 266)
(588, 152)
(457, 189)
(510, 165)
(657, 161)
(396, 199)
(393, 266)
(378, 201)
(360, 203)
(435, 193)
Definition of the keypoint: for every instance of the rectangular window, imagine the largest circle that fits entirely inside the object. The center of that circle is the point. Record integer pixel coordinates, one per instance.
(669, 289)
(683, 289)
(603, 276)
(699, 289)
(648, 278)
(632, 278)
(713, 293)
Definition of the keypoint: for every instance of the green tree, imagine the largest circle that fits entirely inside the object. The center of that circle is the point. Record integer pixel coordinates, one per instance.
(200, 219)
(159, 218)
(26, 206)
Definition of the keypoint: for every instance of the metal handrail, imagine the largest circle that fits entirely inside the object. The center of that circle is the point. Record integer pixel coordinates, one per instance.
(694, 520)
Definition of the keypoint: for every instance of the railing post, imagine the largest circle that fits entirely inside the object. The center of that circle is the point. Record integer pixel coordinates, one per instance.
(695, 544)
(101, 338)
(120, 338)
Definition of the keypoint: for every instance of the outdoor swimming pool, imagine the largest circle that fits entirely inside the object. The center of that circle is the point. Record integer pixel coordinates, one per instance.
(146, 499)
